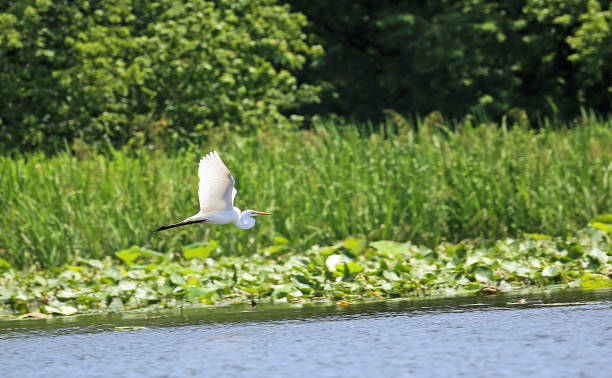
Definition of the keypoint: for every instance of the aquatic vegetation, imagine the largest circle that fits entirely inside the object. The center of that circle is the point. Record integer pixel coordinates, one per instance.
(424, 184)
(351, 270)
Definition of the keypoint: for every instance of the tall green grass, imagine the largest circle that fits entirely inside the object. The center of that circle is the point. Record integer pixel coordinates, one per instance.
(322, 185)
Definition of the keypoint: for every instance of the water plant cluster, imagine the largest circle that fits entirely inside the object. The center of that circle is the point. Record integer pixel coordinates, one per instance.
(351, 270)
(424, 182)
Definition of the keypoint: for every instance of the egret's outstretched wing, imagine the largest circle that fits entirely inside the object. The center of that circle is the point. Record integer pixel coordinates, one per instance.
(216, 190)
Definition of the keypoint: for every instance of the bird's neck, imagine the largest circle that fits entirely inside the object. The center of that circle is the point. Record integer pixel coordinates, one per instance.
(237, 214)
(242, 220)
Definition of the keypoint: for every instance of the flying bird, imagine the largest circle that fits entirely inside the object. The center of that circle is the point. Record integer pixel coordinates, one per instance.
(216, 192)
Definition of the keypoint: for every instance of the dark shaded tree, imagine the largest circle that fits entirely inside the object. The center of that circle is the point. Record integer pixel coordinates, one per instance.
(548, 58)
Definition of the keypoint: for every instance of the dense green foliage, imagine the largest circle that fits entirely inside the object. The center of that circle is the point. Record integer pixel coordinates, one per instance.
(347, 271)
(110, 70)
(119, 99)
(460, 56)
(323, 185)
(119, 70)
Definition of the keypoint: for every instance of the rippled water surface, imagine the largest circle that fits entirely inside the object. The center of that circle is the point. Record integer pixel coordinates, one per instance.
(561, 334)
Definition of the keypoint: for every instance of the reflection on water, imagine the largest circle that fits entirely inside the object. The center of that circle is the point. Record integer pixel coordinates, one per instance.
(558, 333)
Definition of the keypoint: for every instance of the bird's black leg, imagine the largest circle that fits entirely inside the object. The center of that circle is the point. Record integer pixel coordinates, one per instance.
(167, 226)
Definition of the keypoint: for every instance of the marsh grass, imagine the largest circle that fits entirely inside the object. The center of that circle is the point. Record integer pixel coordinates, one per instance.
(422, 184)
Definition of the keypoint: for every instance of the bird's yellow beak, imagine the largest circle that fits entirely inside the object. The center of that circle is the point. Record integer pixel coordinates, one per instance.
(261, 213)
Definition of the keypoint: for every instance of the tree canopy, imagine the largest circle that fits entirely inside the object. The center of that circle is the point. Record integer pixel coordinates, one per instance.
(103, 70)
(107, 70)
(546, 57)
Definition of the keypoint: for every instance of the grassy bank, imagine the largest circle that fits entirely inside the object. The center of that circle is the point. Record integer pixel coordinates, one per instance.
(347, 271)
(323, 185)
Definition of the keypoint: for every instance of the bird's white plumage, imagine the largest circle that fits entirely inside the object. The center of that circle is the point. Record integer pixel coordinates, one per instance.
(216, 193)
(216, 189)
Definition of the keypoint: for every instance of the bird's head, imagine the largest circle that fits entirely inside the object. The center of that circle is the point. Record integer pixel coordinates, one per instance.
(247, 218)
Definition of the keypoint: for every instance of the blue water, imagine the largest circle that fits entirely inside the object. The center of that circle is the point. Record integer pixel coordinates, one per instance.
(562, 334)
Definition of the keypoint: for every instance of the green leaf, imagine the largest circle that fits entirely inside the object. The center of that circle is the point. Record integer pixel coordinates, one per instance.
(353, 268)
(391, 275)
(334, 260)
(483, 274)
(66, 294)
(595, 281)
(605, 227)
(192, 280)
(319, 260)
(201, 251)
(550, 271)
(280, 240)
(391, 246)
(598, 254)
(126, 285)
(354, 245)
(349, 270)
(196, 293)
(539, 236)
(97, 264)
(128, 256)
(61, 310)
(327, 250)
(274, 248)
(248, 277)
(283, 291)
(603, 218)
(67, 310)
(178, 280)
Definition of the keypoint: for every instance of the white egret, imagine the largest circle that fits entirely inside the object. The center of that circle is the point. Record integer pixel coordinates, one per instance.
(216, 192)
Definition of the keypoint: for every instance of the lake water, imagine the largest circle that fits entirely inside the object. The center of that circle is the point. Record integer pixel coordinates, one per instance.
(556, 334)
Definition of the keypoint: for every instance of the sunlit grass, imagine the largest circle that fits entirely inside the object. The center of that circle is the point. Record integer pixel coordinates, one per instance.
(322, 185)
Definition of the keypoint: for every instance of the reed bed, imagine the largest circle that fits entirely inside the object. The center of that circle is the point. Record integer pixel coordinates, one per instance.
(424, 184)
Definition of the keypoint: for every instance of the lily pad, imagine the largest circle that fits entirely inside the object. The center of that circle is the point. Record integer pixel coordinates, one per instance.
(391, 275)
(550, 271)
(598, 254)
(201, 250)
(603, 218)
(61, 310)
(342, 271)
(126, 285)
(283, 291)
(66, 294)
(390, 246)
(602, 226)
(280, 240)
(196, 293)
(129, 256)
(351, 268)
(334, 260)
(177, 279)
(354, 245)
(595, 281)
(483, 274)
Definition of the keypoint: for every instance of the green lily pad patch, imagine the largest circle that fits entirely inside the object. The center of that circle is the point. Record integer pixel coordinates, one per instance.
(351, 270)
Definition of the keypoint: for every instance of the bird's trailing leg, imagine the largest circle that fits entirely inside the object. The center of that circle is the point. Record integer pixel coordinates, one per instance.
(167, 226)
